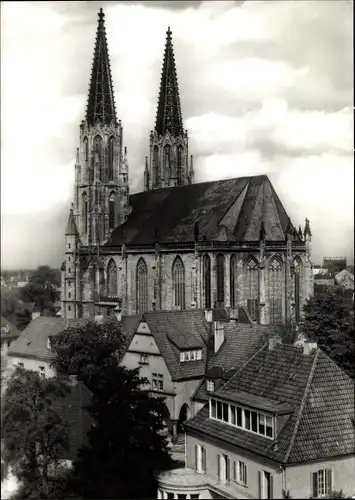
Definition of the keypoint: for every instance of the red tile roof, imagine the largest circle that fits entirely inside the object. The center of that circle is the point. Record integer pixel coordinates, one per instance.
(320, 393)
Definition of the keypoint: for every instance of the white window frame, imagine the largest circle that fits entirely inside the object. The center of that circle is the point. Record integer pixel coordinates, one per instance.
(240, 473)
(193, 356)
(223, 468)
(199, 354)
(144, 359)
(187, 355)
(209, 385)
(157, 382)
(201, 450)
(323, 489)
(182, 357)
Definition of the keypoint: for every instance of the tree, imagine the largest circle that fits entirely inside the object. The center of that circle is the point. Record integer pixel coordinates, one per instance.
(22, 319)
(125, 447)
(44, 275)
(34, 434)
(329, 320)
(44, 296)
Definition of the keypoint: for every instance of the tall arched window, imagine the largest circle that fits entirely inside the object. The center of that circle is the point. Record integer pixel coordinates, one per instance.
(275, 289)
(98, 150)
(110, 157)
(179, 165)
(84, 206)
(206, 273)
(155, 167)
(112, 279)
(111, 211)
(142, 286)
(179, 283)
(167, 151)
(86, 149)
(220, 270)
(232, 280)
(297, 278)
(251, 288)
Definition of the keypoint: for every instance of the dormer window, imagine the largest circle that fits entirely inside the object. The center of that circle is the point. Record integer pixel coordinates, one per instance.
(194, 355)
(210, 385)
(244, 418)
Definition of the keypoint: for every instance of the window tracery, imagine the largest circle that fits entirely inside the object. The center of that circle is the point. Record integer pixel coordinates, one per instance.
(179, 283)
(142, 286)
(275, 290)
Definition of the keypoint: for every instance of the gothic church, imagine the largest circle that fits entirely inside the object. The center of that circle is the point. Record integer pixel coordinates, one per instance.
(177, 245)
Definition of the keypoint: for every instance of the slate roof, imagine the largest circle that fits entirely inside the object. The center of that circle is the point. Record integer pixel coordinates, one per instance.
(320, 393)
(231, 209)
(32, 342)
(8, 330)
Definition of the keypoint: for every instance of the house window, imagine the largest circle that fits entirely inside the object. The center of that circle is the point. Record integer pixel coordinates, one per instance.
(157, 382)
(322, 483)
(210, 385)
(213, 412)
(144, 359)
(112, 279)
(240, 473)
(232, 280)
(170, 495)
(69, 308)
(207, 281)
(223, 469)
(42, 372)
(194, 355)
(265, 485)
(275, 291)
(142, 286)
(179, 283)
(220, 263)
(200, 459)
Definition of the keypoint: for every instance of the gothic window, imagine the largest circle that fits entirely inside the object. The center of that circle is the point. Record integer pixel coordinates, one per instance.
(112, 279)
(110, 162)
(85, 212)
(251, 288)
(167, 157)
(275, 287)
(179, 283)
(220, 265)
(179, 165)
(206, 273)
(98, 151)
(86, 149)
(297, 269)
(232, 280)
(142, 286)
(111, 211)
(155, 167)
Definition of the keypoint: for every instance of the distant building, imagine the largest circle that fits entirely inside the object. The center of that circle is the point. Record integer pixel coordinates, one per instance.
(282, 425)
(334, 264)
(319, 270)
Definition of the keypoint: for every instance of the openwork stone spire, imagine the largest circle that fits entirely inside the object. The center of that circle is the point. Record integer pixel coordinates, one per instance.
(169, 116)
(101, 102)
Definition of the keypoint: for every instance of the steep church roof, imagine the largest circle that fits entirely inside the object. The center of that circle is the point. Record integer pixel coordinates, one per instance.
(101, 101)
(226, 210)
(169, 116)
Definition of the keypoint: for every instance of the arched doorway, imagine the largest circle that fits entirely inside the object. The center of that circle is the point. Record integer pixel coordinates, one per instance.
(183, 416)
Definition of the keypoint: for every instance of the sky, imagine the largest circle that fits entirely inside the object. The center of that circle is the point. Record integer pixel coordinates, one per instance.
(266, 88)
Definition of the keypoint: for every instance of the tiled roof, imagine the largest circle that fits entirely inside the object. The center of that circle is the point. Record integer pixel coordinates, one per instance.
(33, 340)
(169, 215)
(320, 393)
(8, 330)
(187, 329)
(71, 409)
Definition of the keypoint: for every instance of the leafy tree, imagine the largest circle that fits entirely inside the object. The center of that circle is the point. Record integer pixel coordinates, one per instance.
(125, 447)
(43, 296)
(22, 319)
(44, 275)
(34, 435)
(329, 319)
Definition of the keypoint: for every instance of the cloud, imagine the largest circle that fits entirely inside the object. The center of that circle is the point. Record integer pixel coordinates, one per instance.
(266, 87)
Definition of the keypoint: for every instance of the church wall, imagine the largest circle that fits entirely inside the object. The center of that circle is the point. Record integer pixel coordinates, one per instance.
(167, 292)
(132, 261)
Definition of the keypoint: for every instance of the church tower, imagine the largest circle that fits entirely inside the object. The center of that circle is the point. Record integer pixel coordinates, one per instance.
(101, 189)
(168, 163)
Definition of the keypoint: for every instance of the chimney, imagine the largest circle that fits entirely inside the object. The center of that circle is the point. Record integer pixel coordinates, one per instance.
(218, 335)
(208, 315)
(308, 347)
(36, 314)
(273, 342)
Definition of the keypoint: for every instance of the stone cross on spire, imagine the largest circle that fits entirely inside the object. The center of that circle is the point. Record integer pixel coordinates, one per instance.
(101, 102)
(169, 116)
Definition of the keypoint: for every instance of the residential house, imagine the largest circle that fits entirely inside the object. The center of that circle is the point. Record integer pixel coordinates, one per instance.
(345, 279)
(282, 425)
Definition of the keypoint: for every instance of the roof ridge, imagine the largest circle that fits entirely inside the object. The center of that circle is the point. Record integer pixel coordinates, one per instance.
(303, 403)
(244, 365)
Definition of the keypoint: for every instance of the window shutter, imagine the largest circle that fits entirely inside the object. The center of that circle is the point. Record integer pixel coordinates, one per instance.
(314, 479)
(204, 459)
(328, 483)
(196, 457)
(228, 470)
(271, 486)
(219, 467)
(260, 485)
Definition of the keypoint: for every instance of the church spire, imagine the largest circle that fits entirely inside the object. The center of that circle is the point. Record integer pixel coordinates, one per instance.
(169, 116)
(101, 102)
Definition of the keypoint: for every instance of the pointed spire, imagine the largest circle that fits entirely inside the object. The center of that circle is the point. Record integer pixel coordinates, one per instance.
(300, 234)
(307, 229)
(101, 102)
(169, 116)
(71, 226)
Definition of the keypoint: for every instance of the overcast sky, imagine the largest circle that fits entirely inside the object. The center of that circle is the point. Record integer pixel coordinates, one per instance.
(266, 87)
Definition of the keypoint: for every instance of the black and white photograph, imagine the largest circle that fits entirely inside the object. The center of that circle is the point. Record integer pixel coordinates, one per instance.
(177, 250)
